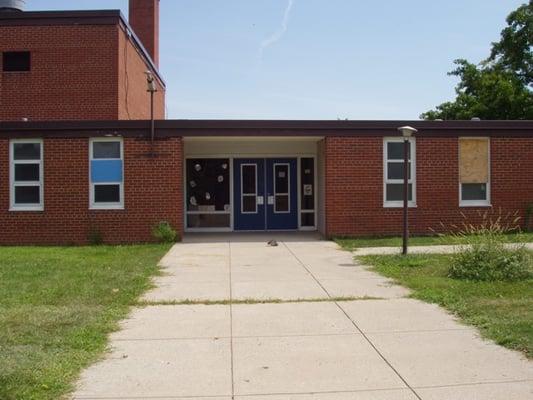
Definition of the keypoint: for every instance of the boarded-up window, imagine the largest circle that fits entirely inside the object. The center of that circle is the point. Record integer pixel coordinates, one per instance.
(474, 170)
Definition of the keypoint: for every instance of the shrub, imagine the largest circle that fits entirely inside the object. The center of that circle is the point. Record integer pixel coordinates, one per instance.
(490, 260)
(164, 233)
(95, 237)
(486, 256)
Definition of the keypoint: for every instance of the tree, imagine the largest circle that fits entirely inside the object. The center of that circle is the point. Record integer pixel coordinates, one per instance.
(499, 87)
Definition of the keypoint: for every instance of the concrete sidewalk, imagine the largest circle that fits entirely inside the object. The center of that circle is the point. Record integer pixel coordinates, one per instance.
(433, 249)
(391, 349)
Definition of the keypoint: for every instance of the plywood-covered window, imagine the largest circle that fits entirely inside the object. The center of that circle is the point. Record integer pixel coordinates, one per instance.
(474, 171)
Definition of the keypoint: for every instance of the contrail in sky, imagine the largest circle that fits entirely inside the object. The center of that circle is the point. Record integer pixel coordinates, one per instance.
(278, 35)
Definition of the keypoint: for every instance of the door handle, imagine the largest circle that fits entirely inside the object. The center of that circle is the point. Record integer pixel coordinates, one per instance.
(260, 200)
(270, 200)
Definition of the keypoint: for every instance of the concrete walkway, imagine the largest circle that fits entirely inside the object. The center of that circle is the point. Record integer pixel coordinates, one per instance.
(433, 249)
(388, 349)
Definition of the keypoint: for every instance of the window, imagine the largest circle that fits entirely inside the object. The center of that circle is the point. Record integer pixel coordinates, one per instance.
(16, 61)
(106, 175)
(393, 163)
(281, 189)
(208, 192)
(307, 192)
(474, 172)
(249, 188)
(26, 175)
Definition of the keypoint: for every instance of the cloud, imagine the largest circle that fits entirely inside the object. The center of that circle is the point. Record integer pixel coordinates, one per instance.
(278, 35)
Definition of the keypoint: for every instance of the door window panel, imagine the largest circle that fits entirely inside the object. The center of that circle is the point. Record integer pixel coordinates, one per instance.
(249, 188)
(281, 188)
(282, 203)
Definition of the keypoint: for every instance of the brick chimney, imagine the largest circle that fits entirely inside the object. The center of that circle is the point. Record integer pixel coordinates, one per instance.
(144, 19)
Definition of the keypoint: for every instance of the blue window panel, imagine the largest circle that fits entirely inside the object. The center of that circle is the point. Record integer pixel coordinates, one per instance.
(103, 171)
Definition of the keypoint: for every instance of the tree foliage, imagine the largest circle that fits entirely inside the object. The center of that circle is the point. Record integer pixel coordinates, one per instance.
(499, 87)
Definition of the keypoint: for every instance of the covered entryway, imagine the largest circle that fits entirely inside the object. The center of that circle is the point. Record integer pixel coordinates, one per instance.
(252, 184)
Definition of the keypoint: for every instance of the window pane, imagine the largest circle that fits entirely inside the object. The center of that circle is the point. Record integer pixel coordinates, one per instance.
(307, 189)
(474, 191)
(208, 182)
(308, 219)
(27, 151)
(27, 172)
(107, 193)
(248, 178)
(27, 195)
(282, 178)
(395, 150)
(208, 221)
(106, 150)
(282, 203)
(395, 170)
(395, 192)
(16, 61)
(249, 204)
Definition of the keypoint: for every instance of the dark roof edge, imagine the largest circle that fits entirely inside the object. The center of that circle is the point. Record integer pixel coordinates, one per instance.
(85, 17)
(198, 128)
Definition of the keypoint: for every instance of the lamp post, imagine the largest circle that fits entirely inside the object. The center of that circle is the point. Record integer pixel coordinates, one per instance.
(152, 88)
(407, 132)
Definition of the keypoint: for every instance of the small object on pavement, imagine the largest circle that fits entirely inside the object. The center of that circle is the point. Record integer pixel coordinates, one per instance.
(273, 243)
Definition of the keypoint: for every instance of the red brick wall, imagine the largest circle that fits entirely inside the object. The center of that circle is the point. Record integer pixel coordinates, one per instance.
(73, 74)
(83, 72)
(354, 185)
(153, 193)
(134, 100)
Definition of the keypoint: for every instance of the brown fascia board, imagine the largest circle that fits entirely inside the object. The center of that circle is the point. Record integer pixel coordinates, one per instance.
(84, 17)
(267, 128)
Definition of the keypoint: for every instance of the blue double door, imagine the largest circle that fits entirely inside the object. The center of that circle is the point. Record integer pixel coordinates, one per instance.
(265, 194)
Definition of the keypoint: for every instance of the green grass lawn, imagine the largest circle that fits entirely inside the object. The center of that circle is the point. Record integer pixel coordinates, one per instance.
(355, 243)
(502, 311)
(57, 306)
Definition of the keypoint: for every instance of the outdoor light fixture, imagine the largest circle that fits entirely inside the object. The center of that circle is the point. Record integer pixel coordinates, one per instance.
(152, 88)
(407, 132)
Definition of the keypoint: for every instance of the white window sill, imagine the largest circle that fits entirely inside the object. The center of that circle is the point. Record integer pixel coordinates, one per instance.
(474, 204)
(398, 205)
(26, 209)
(106, 207)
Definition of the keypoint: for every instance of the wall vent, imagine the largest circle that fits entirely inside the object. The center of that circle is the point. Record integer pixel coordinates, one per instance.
(12, 5)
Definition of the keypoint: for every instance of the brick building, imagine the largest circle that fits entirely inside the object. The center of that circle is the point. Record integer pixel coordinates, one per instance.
(82, 65)
(102, 174)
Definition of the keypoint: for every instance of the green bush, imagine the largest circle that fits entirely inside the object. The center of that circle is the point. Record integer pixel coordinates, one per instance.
(164, 233)
(486, 255)
(489, 260)
(95, 237)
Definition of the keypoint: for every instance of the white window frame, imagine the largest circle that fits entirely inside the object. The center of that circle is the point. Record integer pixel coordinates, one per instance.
(187, 212)
(12, 184)
(243, 195)
(275, 193)
(386, 180)
(106, 206)
(301, 210)
(475, 203)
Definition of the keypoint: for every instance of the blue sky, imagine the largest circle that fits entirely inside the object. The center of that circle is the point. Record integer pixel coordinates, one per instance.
(313, 59)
